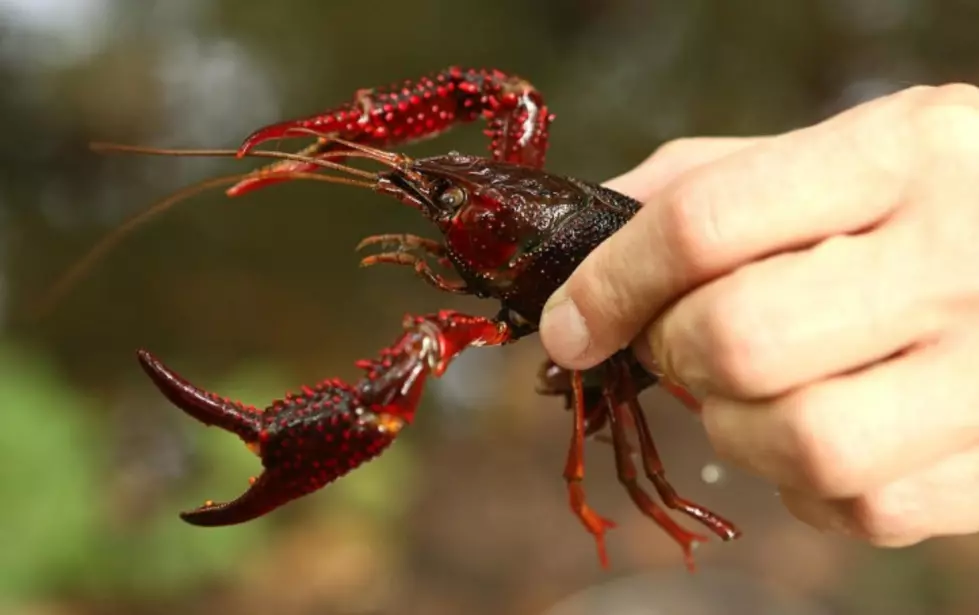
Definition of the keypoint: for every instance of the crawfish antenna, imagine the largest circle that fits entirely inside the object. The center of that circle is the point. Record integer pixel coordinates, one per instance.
(75, 273)
(230, 153)
(396, 161)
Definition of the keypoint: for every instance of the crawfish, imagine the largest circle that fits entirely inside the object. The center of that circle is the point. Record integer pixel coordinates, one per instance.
(511, 231)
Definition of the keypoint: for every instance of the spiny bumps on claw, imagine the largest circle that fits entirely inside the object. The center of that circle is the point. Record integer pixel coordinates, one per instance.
(401, 113)
(305, 441)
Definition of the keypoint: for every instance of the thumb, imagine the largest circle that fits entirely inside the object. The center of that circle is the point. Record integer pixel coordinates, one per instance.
(600, 286)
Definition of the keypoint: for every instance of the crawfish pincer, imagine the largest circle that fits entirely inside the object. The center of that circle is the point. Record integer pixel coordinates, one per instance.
(309, 439)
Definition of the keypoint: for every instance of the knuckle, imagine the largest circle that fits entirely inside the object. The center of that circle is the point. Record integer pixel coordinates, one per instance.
(945, 120)
(673, 149)
(828, 463)
(884, 519)
(953, 94)
(737, 356)
(691, 223)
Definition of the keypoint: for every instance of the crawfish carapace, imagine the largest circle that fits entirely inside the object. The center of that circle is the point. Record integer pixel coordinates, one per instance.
(510, 231)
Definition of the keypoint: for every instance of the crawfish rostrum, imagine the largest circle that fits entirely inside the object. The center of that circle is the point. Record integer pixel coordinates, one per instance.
(510, 231)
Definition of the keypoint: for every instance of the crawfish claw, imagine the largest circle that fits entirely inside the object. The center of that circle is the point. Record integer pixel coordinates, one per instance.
(260, 498)
(516, 117)
(245, 421)
(310, 439)
(305, 441)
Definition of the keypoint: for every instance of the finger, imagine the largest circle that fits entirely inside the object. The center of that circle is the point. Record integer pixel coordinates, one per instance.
(841, 176)
(940, 500)
(852, 433)
(800, 316)
(673, 159)
(640, 183)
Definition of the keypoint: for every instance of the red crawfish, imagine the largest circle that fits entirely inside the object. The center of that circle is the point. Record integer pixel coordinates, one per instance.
(510, 231)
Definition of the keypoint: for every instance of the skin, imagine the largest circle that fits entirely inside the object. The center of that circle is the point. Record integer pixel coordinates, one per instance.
(820, 289)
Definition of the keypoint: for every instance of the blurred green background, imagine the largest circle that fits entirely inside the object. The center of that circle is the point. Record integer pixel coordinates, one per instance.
(252, 297)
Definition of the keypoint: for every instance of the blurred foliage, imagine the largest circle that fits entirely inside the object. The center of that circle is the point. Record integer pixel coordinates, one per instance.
(48, 475)
(62, 534)
(250, 297)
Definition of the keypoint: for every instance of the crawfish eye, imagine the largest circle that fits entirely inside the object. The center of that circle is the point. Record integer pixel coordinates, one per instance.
(453, 197)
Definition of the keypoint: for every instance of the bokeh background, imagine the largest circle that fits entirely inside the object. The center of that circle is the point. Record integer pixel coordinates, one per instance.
(252, 297)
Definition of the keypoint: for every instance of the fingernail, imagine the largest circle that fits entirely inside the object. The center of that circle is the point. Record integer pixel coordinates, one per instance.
(564, 327)
(657, 355)
(822, 515)
(839, 522)
(556, 299)
(673, 358)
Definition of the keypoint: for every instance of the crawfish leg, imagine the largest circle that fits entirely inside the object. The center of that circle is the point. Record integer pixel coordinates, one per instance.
(404, 242)
(653, 466)
(407, 243)
(410, 111)
(452, 332)
(422, 270)
(681, 394)
(627, 476)
(574, 474)
(555, 381)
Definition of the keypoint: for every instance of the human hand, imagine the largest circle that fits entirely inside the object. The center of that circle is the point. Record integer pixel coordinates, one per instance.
(821, 287)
